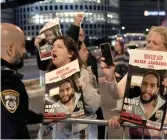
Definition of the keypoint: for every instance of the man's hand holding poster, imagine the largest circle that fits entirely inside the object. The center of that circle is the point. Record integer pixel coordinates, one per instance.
(145, 95)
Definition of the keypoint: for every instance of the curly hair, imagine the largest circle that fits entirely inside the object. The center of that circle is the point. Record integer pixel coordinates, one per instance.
(155, 74)
(162, 31)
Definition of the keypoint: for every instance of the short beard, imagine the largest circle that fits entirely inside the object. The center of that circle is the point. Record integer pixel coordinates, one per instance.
(154, 97)
(70, 97)
(18, 62)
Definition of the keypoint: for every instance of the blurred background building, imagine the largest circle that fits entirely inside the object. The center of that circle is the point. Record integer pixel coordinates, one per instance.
(101, 16)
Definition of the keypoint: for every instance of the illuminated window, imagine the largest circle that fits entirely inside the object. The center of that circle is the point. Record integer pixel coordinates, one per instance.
(71, 19)
(66, 19)
(114, 3)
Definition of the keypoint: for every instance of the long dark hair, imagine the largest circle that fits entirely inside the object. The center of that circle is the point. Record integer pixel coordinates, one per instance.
(121, 43)
(71, 47)
(79, 45)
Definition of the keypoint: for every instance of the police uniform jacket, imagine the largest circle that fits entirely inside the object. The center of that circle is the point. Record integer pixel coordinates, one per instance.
(15, 113)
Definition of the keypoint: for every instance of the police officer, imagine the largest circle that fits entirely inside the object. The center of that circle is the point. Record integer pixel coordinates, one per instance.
(15, 113)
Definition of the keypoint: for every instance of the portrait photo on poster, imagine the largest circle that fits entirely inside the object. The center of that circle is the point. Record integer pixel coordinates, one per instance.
(63, 93)
(49, 32)
(145, 96)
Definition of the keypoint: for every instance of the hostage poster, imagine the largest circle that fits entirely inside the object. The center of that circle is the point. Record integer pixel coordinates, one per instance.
(145, 96)
(63, 93)
(50, 31)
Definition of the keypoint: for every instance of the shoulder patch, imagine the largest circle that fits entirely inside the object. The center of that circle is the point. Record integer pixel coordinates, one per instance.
(10, 99)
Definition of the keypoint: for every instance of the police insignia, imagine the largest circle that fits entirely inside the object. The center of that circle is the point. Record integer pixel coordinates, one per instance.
(10, 99)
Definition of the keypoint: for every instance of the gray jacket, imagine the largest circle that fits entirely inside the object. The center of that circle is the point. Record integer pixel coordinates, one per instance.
(59, 107)
(139, 109)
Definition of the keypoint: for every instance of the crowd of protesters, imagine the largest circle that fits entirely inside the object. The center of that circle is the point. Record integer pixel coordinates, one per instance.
(65, 49)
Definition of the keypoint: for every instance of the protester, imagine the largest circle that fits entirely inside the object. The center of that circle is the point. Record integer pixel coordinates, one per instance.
(121, 60)
(64, 51)
(156, 40)
(84, 54)
(73, 32)
(92, 62)
(15, 113)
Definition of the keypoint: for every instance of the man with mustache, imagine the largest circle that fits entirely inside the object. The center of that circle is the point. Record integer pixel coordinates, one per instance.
(15, 113)
(45, 50)
(150, 101)
(68, 98)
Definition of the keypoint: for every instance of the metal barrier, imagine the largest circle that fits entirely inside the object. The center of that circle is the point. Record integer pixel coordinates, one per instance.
(135, 126)
(42, 77)
(81, 121)
(100, 122)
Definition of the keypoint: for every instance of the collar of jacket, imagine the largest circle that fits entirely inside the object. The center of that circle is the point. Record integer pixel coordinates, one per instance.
(7, 66)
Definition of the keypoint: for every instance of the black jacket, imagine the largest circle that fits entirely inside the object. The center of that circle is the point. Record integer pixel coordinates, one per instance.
(73, 32)
(15, 113)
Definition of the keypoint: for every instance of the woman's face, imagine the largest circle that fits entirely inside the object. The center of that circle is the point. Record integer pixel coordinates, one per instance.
(60, 54)
(155, 42)
(83, 53)
(117, 47)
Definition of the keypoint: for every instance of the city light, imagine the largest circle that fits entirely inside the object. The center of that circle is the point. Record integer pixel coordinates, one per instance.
(28, 38)
(154, 13)
(109, 15)
(123, 28)
(1, 1)
(147, 30)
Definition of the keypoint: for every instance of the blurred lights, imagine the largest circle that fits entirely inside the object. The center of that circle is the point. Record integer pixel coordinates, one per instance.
(119, 38)
(69, 17)
(113, 42)
(154, 13)
(147, 30)
(123, 28)
(145, 13)
(28, 38)
(109, 16)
